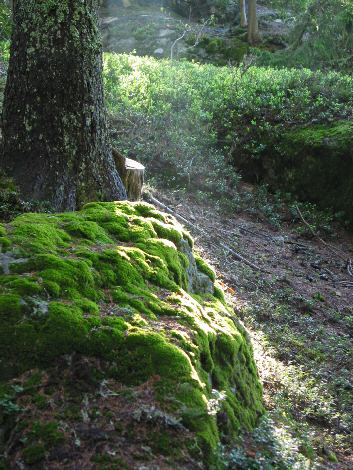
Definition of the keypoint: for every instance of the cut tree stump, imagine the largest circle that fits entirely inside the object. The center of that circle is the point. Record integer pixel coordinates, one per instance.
(131, 173)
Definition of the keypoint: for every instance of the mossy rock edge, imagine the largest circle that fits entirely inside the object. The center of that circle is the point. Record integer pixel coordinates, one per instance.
(314, 164)
(109, 284)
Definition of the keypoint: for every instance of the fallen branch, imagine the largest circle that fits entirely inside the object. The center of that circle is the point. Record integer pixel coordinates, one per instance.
(190, 224)
(185, 31)
(199, 33)
(174, 43)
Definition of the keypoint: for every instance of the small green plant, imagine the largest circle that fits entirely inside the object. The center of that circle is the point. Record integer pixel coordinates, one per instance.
(8, 405)
(142, 33)
(271, 449)
(319, 297)
(11, 203)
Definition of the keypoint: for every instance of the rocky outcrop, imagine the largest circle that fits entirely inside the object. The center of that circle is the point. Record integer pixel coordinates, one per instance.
(314, 163)
(116, 346)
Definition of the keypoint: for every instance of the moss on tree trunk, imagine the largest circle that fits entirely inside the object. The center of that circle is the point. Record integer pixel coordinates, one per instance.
(55, 134)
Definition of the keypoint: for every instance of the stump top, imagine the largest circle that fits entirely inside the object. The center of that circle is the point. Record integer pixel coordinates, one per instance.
(133, 165)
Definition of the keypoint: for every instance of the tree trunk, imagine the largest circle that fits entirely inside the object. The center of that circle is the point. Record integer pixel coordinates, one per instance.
(55, 135)
(253, 27)
(243, 19)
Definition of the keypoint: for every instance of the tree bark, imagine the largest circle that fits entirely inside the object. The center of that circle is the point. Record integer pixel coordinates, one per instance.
(55, 135)
(243, 19)
(253, 27)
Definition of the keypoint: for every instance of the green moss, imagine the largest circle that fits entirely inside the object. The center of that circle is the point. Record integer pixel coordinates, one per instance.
(104, 294)
(315, 164)
(87, 306)
(39, 401)
(173, 262)
(74, 277)
(5, 244)
(33, 380)
(87, 229)
(32, 454)
(147, 210)
(73, 413)
(214, 45)
(10, 308)
(53, 288)
(204, 267)
(37, 233)
(165, 444)
(25, 286)
(48, 433)
(218, 294)
(332, 458)
(168, 232)
(236, 50)
(119, 296)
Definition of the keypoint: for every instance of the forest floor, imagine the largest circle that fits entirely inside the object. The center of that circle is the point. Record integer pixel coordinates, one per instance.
(298, 309)
(299, 312)
(152, 30)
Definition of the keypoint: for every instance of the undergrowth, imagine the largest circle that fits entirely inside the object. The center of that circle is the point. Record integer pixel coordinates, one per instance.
(11, 202)
(195, 126)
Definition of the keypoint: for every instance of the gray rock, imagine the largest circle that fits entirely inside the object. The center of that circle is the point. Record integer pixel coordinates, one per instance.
(199, 283)
(8, 258)
(165, 32)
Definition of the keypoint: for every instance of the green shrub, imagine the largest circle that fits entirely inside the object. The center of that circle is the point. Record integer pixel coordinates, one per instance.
(189, 122)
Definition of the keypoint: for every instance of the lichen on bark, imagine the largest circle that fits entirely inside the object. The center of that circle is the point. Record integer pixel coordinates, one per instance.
(55, 133)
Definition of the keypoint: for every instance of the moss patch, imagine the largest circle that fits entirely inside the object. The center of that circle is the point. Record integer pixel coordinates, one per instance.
(109, 283)
(314, 163)
(33, 454)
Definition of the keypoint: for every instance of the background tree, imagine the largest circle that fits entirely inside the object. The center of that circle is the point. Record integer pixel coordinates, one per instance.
(243, 19)
(311, 44)
(253, 26)
(55, 135)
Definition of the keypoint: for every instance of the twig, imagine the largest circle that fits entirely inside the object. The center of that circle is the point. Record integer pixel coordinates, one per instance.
(12, 438)
(190, 224)
(181, 37)
(349, 267)
(248, 61)
(334, 278)
(177, 40)
(36, 387)
(346, 284)
(189, 171)
(185, 31)
(199, 33)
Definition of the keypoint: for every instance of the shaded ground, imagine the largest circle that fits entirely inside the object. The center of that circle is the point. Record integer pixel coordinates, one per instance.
(107, 427)
(300, 316)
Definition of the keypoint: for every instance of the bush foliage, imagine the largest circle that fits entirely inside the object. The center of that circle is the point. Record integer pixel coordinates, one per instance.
(189, 122)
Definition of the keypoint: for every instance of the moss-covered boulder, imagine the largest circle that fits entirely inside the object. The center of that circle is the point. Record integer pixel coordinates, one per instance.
(315, 164)
(108, 355)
